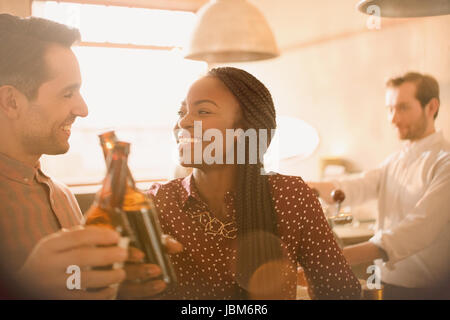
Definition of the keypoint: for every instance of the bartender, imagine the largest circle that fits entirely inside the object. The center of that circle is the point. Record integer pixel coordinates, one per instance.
(411, 244)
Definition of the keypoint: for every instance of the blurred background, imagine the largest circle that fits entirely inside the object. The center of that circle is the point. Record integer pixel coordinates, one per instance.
(326, 76)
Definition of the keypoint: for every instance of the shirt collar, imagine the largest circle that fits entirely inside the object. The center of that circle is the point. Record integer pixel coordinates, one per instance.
(424, 143)
(18, 171)
(190, 191)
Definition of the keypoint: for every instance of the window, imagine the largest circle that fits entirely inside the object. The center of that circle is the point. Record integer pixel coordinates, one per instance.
(134, 78)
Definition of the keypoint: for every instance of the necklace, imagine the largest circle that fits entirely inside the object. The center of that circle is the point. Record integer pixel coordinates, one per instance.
(214, 226)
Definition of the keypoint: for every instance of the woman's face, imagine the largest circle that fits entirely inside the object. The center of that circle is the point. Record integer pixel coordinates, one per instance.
(210, 104)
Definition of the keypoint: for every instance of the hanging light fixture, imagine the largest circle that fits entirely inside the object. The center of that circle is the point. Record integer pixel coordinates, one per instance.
(231, 31)
(405, 8)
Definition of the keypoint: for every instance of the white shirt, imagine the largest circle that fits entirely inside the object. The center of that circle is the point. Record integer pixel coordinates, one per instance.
(413, 191)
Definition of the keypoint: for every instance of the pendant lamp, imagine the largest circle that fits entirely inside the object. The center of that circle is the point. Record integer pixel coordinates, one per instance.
(405, 8)
(231, 31)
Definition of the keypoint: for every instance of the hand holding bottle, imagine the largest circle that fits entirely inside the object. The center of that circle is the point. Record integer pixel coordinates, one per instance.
(123, 207)
(143, 280)
(44, 273)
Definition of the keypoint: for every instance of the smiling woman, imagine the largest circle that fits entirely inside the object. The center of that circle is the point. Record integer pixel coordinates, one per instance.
(243, 231)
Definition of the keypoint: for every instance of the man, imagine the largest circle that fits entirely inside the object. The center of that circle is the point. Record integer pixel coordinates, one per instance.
(40, 230)
(411, 245)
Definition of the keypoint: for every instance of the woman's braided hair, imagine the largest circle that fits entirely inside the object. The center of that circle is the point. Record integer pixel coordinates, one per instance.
(255, 213)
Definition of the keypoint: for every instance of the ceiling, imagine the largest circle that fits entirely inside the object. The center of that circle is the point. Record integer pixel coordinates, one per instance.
(299, 23)
(295, 23)
(187, 5)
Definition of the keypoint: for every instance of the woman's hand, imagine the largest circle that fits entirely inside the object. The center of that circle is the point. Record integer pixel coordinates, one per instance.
(302, 281)
(139, 283)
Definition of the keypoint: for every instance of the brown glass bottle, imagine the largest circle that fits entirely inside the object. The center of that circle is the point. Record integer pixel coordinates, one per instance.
(142, 219)
(106, 211)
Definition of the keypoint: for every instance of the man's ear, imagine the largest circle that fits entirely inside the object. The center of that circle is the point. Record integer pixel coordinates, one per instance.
(433, 106)
(10, 101)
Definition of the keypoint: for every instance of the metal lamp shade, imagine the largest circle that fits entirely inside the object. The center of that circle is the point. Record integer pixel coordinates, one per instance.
(231, 31)
(406, 8)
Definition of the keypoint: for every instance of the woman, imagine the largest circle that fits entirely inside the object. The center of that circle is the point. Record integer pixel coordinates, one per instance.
(244, 232)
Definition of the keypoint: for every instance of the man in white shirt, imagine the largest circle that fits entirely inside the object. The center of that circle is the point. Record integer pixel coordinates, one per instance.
(412, 243)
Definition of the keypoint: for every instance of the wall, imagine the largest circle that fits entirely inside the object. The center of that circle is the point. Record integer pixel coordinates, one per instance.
(338, 86)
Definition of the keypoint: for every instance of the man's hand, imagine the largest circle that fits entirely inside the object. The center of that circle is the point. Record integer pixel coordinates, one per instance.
(324, 189)
(139, 283)
(44, 272)
(363, 252)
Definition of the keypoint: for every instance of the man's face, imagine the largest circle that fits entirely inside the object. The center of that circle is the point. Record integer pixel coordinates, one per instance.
(45, 124)
(405, 112)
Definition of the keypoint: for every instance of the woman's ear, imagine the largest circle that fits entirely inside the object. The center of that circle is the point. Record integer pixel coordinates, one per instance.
(10, 101)
(241, 122)
(239, 129)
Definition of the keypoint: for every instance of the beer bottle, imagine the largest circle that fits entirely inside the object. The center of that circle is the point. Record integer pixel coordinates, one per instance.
(106, 211)
(107, 141)
(142, 218)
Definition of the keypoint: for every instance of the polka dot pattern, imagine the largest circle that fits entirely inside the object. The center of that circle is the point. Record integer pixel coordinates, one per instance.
(205, 268)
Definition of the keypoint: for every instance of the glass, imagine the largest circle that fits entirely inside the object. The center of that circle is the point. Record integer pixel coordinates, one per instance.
(106, 211)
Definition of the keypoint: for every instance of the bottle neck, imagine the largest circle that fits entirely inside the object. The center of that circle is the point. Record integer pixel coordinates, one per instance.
(108, 144)
(114, 186)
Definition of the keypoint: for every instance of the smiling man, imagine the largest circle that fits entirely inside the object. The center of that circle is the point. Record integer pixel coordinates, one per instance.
(411, 245)
(39, 101)
(40, 233)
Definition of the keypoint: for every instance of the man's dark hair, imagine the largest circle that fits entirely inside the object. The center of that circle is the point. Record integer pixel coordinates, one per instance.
(427, 87)
(23, 44)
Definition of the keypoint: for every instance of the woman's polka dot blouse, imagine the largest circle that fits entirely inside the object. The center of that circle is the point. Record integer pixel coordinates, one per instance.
(205, 267)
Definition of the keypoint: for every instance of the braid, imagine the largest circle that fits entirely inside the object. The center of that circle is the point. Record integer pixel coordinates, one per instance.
(255, 214)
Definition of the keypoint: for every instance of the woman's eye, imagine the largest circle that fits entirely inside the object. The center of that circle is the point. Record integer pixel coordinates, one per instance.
(68, 95)
(180, 113)
(204, 112)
